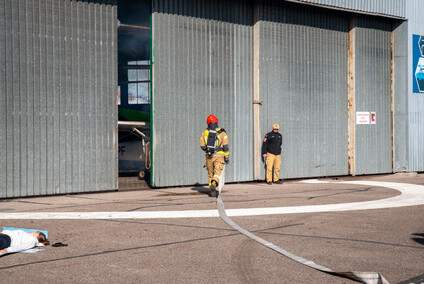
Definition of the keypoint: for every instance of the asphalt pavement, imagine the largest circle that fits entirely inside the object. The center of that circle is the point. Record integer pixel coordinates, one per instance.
(174, 235)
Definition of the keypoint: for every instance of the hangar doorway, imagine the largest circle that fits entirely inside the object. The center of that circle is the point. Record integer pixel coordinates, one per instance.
(134, 88)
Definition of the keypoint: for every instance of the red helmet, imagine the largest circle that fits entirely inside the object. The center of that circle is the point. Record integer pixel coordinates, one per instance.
(211, 118)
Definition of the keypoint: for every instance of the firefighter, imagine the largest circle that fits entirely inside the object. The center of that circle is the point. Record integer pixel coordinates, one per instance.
(271, 151)
(214, 141)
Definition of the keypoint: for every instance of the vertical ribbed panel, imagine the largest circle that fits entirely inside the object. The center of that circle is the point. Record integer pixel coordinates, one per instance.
(392, 8)
(373, 142)
(58, 83)
(202, 64)
(303, 85)
(3, 99)
(400, 110)
(416, 100)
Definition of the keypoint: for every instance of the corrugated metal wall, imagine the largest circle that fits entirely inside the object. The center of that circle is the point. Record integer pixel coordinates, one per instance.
(57, 106)
(392, 8)
(202, 64)
(203, 53)
(416, 101)
(373, 142)
(303, 84)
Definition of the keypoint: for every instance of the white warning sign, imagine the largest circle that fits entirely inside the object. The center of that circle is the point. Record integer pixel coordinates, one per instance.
(362, 117)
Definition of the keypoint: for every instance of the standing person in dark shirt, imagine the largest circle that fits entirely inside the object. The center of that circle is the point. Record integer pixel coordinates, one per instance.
(271, 151)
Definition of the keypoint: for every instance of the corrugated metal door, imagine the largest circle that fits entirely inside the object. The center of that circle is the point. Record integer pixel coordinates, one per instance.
(373, 142)
(57, 97)
(303, 86)
(202, 64)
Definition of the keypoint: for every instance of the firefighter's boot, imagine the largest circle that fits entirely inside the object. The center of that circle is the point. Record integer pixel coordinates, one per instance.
(213, 187)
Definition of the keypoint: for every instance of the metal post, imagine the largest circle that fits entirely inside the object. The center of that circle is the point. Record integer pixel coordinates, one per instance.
(392, 96)
(351, 98)
(256, 96)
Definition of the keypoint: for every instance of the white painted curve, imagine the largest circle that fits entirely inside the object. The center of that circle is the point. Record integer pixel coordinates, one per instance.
(411, 195)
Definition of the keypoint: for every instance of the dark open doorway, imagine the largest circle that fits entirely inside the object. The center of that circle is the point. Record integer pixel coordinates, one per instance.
(134, 87)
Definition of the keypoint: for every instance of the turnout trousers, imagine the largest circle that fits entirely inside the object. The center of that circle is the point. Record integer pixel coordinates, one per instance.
(214, 165)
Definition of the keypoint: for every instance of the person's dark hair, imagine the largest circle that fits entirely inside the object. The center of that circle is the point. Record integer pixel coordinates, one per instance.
(42, 239)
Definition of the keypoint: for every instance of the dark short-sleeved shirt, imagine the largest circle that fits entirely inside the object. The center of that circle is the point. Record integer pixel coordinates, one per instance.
(272, 143)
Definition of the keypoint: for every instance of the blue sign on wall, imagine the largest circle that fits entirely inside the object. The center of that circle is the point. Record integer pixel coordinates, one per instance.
(418, 64)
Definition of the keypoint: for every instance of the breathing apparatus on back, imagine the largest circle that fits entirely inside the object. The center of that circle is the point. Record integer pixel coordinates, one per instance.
(213, 141)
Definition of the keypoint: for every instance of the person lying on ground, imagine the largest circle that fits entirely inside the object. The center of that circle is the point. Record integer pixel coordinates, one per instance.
(18, 240)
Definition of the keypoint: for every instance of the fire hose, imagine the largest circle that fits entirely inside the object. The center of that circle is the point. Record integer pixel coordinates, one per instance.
(364, 277)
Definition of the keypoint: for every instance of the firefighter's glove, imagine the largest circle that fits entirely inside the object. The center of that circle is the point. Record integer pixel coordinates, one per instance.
(227, 160)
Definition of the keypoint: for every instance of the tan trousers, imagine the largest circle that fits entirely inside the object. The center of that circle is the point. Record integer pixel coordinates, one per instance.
(272, 161)
(214, 166)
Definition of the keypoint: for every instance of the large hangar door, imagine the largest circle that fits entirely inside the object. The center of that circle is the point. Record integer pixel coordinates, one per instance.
(303, 85)
(373, 142)
(202, 64)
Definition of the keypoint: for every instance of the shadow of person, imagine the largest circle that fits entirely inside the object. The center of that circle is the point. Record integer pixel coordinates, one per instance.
(200, 189)
(264, 164)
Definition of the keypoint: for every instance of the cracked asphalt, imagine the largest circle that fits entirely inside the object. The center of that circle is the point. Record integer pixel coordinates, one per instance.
(206, 250)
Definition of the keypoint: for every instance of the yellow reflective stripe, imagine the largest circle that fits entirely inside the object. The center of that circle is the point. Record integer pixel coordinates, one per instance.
(206, 137)
(216, 176)
(225, 136)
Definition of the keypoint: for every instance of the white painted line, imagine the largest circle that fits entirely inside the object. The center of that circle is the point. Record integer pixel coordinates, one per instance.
(411, 195)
